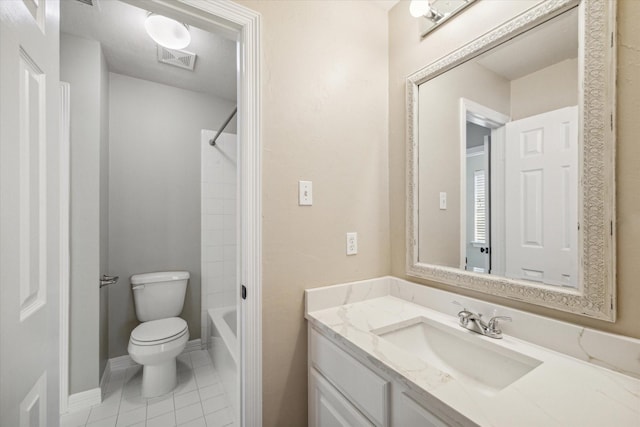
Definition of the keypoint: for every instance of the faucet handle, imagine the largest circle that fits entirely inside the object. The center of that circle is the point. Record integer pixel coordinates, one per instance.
(463, 315)
(493, 322)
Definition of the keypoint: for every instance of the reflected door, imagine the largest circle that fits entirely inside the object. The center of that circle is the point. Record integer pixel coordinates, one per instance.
(478, 256)
(541, 198)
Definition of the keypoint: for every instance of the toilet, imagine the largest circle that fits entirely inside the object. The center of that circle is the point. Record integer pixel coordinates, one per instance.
(162, 335)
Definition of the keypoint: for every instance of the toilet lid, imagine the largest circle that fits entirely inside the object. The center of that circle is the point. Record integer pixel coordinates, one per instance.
(159, 330)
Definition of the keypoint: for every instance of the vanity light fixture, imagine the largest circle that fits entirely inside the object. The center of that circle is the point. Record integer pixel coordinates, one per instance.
(167, 32)
(433, 13)
(422, 8)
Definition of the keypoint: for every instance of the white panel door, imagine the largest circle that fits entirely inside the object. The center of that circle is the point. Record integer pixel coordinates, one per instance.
(29, 212)
(541, 159)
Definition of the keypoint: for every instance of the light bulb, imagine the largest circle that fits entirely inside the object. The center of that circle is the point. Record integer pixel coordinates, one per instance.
(419, 8)
(167, 32)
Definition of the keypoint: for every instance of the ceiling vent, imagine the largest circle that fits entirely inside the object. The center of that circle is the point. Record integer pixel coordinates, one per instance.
(87, 2)
(177, 58)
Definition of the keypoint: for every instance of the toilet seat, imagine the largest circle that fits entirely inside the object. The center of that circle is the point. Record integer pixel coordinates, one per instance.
(160, 331)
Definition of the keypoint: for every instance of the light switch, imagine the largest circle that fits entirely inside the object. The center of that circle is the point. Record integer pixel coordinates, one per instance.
(305, 193)
(352, 243)
(443, 200)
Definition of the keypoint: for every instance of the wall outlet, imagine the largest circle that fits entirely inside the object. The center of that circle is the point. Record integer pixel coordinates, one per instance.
(305, 193)
(352, 243)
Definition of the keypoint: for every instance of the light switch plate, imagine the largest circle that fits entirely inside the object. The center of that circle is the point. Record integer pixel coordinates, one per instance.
(305, 193)
(443, 200)
(352, 243)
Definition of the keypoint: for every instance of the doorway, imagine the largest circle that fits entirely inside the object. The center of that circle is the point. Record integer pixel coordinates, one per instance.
(478, 195)
(242, 25)
(482, 202)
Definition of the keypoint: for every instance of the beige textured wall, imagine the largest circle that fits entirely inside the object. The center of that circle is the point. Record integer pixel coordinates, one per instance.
(439, 153)
(325, 115)
(548, 89)
(407, 54)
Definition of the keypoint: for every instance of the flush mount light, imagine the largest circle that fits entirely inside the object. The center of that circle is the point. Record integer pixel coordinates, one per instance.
(167, 32)
(433, 13)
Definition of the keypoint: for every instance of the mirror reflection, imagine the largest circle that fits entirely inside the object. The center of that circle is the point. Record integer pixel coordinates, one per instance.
(498, 159)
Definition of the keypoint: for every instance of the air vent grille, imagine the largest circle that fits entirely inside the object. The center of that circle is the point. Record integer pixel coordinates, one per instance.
(177, 58)
(87, 2)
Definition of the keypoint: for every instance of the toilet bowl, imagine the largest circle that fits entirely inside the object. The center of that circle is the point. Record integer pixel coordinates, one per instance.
(155, 345)
(162, 336)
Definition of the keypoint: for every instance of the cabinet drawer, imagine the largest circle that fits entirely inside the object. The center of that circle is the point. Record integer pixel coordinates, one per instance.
(366, 390)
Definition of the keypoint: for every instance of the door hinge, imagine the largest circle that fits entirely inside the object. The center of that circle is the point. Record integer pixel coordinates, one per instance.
(611, 225)
(244, 292)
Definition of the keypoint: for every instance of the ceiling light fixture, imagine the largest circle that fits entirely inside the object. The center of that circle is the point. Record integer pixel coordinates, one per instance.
(167, 32)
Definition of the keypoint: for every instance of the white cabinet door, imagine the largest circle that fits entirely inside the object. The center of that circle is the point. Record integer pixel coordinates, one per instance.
(362, 386)
(329, 408)
(29, 212)
(408, 413)
(541, 159)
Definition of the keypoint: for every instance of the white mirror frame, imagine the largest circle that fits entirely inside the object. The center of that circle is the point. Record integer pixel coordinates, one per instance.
(596, 294)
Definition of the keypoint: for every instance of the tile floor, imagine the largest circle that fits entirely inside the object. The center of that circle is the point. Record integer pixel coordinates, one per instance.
(198, 401)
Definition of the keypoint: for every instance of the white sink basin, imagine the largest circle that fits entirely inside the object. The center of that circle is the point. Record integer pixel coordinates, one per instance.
(465, 356)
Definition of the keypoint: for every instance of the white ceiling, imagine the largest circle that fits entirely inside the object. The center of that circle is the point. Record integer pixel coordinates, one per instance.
(119, 27)
(545, 45)
(387, 5)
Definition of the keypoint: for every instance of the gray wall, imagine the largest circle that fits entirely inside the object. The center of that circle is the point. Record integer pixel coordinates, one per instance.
(82, 65)
(154, 191)
(476, 134)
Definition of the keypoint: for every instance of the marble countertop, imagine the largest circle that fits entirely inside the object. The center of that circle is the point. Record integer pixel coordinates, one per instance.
(561, 391)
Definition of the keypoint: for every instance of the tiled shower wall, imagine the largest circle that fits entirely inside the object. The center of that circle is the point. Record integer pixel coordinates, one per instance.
(219, 223)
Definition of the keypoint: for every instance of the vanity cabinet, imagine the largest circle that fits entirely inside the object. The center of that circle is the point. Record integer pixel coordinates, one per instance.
(346, 392)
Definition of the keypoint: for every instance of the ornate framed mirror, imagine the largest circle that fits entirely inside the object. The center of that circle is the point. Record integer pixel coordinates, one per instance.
(510, 161)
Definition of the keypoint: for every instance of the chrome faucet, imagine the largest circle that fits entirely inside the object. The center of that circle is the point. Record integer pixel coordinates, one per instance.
(473, 322)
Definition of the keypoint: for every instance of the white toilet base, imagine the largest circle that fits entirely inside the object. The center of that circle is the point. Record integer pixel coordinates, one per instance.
(158, 364)
(159, 379)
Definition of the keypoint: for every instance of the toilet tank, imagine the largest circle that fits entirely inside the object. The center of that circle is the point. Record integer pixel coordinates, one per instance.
(159, 295)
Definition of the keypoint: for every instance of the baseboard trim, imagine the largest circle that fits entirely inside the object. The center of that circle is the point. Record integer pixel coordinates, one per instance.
(193, 345)
(104, 381)
(84, 399)
(123, 362)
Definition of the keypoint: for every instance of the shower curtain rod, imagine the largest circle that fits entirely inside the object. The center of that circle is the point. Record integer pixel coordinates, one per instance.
(212, 142)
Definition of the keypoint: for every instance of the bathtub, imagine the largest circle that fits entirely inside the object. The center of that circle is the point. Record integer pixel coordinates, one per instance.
(224, 351)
